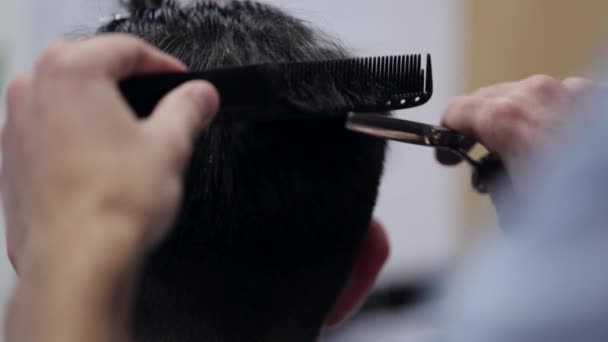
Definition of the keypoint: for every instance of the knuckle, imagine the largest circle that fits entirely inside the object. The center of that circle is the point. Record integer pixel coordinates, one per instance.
(15, 85)
(122, 41)
(579, 80)
(503, 134)
(14, 91)
(542, 80)
(507, 110)
(504, 118)
(132, 40)
(124, 38)
(544, 85)
(464, 114)
(455, 107)
(485, 90)
(578, 84)
(54, 60)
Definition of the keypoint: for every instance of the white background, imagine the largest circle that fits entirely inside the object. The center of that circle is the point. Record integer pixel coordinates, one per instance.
(417, 196)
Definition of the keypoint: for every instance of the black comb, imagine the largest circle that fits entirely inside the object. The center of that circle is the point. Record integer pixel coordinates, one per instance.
(292, 90)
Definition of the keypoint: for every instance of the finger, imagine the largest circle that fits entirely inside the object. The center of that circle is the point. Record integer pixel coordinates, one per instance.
(120, 56)
(463, 114)
(16, 93)
(496, 90)
(586, 96)
(115, 56)
(578, 85)
(181, 115)
(16, 102)
(542, 90)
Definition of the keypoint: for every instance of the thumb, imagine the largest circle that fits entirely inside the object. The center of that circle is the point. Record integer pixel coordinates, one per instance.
(181, 115)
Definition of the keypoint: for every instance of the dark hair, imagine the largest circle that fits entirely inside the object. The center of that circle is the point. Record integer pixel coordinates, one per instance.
(274, 213)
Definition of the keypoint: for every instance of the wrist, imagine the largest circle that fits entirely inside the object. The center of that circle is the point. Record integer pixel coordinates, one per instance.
(108, 243)
(87, 264)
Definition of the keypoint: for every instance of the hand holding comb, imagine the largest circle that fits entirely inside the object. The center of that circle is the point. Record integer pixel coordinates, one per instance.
(279, 92)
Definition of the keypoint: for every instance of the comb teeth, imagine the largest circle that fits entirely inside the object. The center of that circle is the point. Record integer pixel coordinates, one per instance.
(373, 84)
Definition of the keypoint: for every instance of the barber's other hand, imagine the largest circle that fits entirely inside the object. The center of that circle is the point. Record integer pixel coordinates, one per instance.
(517, 120)
(79, 169)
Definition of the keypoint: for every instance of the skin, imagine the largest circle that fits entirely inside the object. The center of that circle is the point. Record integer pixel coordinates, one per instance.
(517, 120)
(88, 189)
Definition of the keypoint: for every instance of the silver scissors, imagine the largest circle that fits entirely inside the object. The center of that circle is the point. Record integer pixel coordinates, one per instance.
(485, 171)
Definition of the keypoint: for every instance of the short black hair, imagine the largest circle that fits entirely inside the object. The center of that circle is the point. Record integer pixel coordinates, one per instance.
(274, 213)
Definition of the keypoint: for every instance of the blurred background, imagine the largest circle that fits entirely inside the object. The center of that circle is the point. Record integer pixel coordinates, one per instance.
(431, 213)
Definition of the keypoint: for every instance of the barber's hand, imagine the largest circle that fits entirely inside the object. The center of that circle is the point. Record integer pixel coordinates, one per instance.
(87, 187)
(517, 120)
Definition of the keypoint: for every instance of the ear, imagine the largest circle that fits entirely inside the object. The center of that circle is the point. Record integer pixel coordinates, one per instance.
(374, 253)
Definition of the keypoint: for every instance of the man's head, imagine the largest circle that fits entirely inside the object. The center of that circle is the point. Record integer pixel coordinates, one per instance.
(273, 238)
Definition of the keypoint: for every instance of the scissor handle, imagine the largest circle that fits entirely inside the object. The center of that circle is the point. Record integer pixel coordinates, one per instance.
(485, 170)
(489, 169)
